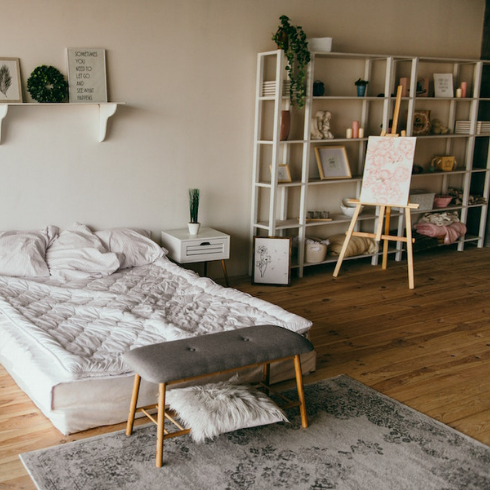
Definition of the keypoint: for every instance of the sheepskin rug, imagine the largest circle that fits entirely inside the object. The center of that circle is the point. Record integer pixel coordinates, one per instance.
(212, 409)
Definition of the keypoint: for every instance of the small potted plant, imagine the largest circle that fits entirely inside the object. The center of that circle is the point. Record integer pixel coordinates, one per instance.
(194, 211)
(292, 40)
(361, 87)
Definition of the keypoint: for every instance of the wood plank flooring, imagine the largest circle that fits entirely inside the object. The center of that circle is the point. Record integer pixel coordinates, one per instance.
(428, 347)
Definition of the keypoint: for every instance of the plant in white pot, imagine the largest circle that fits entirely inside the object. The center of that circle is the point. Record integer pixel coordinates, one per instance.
(194, 211)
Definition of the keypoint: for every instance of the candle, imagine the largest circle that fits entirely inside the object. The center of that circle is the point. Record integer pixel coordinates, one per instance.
(355, 129)
(361, 132)
(348, 133)
(464, 87)
(458, 93)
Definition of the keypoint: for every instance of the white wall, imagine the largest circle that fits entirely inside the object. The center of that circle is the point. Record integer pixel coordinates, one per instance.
(186, 69)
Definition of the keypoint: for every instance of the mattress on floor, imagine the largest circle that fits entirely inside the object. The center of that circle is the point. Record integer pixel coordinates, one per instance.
(63, 343)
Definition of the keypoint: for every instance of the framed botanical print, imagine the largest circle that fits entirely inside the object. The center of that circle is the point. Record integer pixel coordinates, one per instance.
(10, 86)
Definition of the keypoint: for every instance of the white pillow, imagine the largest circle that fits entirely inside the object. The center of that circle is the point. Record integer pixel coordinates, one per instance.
(215, 408)
(79, 254)
(135, 248)
(23, 253)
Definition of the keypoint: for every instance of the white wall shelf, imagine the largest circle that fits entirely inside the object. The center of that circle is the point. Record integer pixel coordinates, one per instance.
(280, 209)
(106, 110)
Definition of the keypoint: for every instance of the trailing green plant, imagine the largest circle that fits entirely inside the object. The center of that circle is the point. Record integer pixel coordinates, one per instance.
(194, 205)
(292, 40)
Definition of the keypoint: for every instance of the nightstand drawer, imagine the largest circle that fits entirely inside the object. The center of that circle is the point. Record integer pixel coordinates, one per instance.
(215, 249)
(206, 246)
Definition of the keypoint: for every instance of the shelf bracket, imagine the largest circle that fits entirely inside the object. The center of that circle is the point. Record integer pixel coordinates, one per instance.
(4, 108)
(105, 112)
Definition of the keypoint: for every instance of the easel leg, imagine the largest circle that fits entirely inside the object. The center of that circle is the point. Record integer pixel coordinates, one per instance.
(408, 222)
(386, 242)
(347, 240)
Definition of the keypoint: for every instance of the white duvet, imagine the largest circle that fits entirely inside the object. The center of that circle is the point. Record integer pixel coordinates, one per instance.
(84, 327)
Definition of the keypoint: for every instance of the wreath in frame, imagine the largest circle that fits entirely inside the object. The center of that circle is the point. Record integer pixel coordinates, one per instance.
(47, 84)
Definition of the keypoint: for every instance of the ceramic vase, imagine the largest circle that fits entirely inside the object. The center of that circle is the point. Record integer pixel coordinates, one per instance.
(194, 228)
(285, 125)
(361, 90)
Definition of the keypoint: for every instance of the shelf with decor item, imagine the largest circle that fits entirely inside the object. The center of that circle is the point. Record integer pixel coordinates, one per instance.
(281, 209)
(106, 111)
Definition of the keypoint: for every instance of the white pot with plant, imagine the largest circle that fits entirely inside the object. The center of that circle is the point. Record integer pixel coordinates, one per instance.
(194, 211)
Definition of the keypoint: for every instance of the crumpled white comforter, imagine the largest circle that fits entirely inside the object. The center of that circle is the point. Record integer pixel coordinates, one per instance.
(86, 326)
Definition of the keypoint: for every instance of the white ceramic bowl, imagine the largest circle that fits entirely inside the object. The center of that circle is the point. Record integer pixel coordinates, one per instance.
(348, 208)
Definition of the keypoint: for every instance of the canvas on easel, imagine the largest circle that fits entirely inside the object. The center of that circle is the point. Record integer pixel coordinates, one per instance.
(388, 171)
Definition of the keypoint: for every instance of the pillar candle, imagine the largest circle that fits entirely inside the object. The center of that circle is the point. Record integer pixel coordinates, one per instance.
(355, 129)
(464, 87)
(361, 132)
(348, 133)
(459, 93)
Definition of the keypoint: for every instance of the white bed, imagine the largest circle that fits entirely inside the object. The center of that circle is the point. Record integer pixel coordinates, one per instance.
(63, 332)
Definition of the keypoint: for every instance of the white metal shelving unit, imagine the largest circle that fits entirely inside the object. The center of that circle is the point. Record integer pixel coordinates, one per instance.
(280, 209)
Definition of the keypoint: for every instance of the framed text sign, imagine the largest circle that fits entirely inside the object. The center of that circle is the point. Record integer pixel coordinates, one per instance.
(87, 75)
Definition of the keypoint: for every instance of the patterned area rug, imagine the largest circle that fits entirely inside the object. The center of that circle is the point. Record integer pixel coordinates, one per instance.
(357, 439)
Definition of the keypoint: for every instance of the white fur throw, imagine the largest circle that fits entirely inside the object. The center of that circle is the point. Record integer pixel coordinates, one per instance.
(215, 408)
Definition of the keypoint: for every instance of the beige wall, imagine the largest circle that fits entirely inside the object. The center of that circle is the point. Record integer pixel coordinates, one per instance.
(186, 69)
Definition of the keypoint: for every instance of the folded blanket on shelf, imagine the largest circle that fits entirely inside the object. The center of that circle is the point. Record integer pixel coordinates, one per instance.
(445, 225)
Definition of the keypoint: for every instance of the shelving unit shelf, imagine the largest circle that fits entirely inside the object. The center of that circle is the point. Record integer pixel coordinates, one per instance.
(280, 208)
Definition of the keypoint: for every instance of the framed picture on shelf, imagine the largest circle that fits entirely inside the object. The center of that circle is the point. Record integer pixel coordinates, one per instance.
(283, 173)
(272, 261)
(10, 87)
(332, 162)
(87, 75)
(443, 85)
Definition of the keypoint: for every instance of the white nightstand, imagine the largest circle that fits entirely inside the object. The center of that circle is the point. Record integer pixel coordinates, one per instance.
(207, 245)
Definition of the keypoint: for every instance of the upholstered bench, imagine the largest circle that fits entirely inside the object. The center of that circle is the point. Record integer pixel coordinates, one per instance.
(189, 359)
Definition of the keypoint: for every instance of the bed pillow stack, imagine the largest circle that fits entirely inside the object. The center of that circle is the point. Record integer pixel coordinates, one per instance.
(23, 253)
(76, 253)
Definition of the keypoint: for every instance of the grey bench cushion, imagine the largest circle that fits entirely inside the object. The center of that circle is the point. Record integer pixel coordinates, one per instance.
(207, 354)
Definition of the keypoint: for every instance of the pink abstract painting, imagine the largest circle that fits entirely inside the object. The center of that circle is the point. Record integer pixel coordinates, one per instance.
(388, 171)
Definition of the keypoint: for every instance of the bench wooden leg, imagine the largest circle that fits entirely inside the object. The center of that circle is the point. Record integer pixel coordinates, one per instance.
(134, 402)
(301, 393)
(160, 424)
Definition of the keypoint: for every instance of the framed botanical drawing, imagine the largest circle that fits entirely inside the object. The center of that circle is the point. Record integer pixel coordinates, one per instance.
(332, 162)
(272, 261)
(388, 171)
(10, 86)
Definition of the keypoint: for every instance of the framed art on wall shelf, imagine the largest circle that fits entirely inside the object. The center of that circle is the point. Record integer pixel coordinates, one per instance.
(10, 87)
(87, 75)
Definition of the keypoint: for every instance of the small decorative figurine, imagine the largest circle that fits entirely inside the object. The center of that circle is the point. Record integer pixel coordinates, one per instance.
(320, 126)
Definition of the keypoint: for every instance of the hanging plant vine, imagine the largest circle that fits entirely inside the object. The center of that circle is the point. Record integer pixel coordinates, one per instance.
(292, 40)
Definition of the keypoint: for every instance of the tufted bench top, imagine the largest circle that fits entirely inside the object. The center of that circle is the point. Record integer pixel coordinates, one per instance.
(206, 354)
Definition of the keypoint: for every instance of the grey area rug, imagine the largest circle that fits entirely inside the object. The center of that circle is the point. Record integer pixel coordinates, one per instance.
(357, 439)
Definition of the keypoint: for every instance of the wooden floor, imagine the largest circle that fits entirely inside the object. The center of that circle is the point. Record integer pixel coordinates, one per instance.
(428, 347)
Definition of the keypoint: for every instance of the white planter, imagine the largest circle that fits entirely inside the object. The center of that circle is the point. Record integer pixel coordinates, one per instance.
(194, 228)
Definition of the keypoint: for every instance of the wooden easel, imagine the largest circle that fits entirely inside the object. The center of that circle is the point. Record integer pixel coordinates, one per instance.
(384, 214)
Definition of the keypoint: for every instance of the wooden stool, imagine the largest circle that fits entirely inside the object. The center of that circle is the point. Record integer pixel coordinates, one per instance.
(189, 359)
